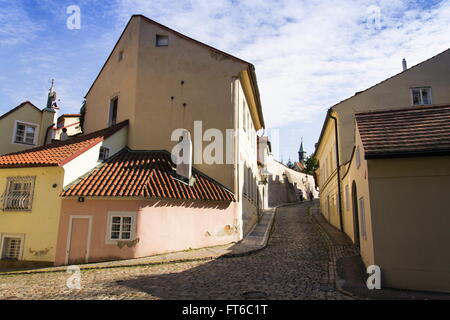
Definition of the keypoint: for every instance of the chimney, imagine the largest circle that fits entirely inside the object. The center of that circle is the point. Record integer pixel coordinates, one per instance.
(184, 165)
(63, 135)
(404, 64)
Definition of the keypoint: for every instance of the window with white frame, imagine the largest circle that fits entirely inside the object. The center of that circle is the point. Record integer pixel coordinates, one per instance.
(11, 247)
(421, 96)
(121, 226)
(19, 193)
(362, 212)
(25, 133)
(104, 153)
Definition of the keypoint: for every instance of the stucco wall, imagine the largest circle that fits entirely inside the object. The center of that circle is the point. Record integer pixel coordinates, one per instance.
(27, 113)
(360, 176)
(411, 221)
(40, 225)
(162, 226)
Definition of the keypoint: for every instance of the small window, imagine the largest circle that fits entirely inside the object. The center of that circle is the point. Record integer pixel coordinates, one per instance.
(104, 154)
(357, 157)
(19, 193)
(421, 96)
(25, 133)
(114, 104)
(162, 41)
(12, 248)
(363, 218)
(121, 227)
(120, 55)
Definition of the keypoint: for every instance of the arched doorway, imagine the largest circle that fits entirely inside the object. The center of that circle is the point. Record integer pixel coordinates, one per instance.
(355, 213)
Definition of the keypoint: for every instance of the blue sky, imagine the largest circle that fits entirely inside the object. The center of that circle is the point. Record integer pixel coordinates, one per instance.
(308, 55)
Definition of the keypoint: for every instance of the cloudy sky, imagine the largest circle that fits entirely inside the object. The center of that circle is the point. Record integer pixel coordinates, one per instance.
(308, 55)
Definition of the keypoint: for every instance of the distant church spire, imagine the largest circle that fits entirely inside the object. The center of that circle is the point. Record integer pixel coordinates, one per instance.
(301, 153)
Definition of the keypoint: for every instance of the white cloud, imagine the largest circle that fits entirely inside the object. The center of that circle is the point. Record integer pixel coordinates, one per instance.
(15, 25)
(308, 55)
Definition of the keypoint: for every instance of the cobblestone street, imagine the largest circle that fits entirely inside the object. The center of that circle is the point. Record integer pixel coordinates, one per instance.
(294, 265)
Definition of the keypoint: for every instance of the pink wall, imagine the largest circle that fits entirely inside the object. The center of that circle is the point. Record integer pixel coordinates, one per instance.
(162, 226)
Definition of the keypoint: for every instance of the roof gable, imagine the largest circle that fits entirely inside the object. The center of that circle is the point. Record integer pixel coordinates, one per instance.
(23, 104)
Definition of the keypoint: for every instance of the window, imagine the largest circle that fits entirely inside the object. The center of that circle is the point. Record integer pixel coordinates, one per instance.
(25, 133)
(104, 154)
(121, 226)
(357, 157)
(12, 247)
(363, 218)
(162, 41)
(421, 96)
(120, 55)
(19, 193)
(113, 111)
(347, 197)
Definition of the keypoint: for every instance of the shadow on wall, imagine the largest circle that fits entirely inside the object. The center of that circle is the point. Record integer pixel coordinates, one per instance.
(282, 191)
(216, 205)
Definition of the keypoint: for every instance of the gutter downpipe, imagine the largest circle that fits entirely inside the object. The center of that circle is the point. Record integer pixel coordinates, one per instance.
(341, 223)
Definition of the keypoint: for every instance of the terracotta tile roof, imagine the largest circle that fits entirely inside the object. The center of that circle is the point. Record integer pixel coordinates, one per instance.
(412, 131)
(147, 174)
(58, 153)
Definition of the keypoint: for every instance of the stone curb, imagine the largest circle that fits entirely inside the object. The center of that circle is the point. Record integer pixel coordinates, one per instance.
(336, 282)
(250, 251)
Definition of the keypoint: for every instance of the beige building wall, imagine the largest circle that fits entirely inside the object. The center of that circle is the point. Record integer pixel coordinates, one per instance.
(27, 114)
(356, 175)
(410, 205)
(161, 89)
(326, 155)
(393, 93)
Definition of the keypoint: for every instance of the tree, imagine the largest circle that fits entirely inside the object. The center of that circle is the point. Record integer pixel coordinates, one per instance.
(311, 164)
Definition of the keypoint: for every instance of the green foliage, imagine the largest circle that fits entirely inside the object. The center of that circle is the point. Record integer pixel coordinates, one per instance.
(311, 164)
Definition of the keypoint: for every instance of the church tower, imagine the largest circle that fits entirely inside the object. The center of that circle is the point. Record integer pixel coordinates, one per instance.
(301, 153)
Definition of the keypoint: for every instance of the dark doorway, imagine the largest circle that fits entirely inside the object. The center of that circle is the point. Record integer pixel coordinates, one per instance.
(355, 213)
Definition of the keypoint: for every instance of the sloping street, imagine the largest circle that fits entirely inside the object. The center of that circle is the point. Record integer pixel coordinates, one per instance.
(294, 265)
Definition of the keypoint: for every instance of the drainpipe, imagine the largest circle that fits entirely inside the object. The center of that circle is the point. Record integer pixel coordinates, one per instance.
(341, 223)
(46, 134)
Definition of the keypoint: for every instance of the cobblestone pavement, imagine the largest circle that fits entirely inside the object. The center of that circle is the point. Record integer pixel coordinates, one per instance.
(295, 265)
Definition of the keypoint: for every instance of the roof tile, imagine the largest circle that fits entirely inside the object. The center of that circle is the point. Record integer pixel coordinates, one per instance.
(148, 174)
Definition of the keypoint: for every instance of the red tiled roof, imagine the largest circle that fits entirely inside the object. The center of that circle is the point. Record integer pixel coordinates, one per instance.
(412, 131)
(58, 153)
(147, 174)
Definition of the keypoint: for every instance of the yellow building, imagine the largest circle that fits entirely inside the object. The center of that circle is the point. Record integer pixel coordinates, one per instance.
(31, 182)
(361, 196)
(24, 127)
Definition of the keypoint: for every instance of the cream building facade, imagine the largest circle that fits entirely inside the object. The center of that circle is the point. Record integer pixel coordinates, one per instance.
(161, 80)
(352, 195)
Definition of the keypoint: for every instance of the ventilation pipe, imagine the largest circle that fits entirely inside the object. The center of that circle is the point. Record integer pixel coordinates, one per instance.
(404, 64)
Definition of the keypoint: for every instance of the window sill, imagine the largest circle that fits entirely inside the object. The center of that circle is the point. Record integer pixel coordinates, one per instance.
(24, 143)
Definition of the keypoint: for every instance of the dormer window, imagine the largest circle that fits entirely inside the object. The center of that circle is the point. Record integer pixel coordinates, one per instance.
(421, 96)
(162, 41)
(25, 133)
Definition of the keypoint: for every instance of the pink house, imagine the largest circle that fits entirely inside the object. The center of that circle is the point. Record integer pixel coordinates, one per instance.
(134, 205)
